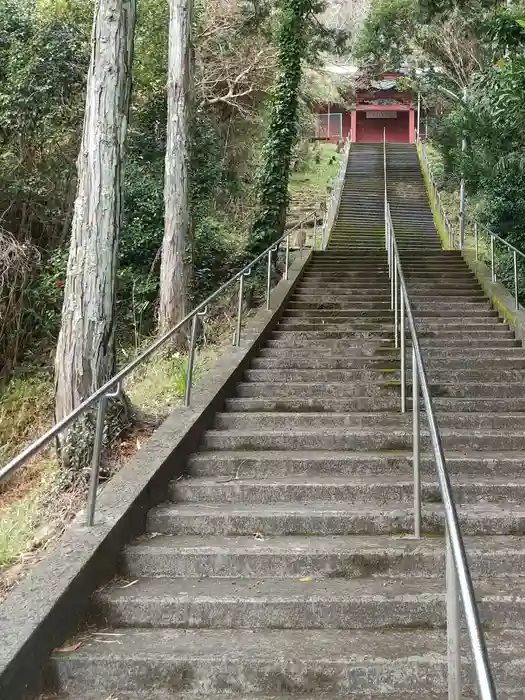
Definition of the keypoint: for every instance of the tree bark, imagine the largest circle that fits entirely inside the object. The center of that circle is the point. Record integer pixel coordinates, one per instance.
(176, 246)
(85, 356)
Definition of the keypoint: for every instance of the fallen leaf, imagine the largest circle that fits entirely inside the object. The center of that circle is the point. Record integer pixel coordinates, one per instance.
(306, 579)
(73, 647)
(128, 585)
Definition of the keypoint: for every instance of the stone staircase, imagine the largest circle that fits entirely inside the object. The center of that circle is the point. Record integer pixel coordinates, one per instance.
(361, 220)
(283, 566)
(407, 195)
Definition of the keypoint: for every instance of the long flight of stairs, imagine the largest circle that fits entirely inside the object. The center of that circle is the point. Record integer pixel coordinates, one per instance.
(361, 218)
(283, 566)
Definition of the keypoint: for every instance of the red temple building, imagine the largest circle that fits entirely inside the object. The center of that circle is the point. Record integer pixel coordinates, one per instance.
(378, 106)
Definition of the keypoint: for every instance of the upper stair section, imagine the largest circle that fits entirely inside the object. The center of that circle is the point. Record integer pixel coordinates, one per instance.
(360, 222)
(412, 216)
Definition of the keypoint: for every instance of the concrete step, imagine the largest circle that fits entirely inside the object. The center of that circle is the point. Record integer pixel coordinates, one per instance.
(431, 318)
(298, 306)
(314, 391)
(332, 518)
(330, 556)
(308, 404)
(328, 404)
(449, 300)
(368, 349)
(274, 360)
(338, 439)
(365, 340)
(314, 463)
(438, 309)
(168, 695)
(161, 695)
(427, 326)
(292, 604)
(344, 331)
(273, 420)
(342, 342)
(363, 375)
(199, 661)
(354, 490)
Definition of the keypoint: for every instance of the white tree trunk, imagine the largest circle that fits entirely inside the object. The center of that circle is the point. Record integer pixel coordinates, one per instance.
(85, 356)
(177, 222)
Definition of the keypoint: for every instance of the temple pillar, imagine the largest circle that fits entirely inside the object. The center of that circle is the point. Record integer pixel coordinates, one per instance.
(411, 126)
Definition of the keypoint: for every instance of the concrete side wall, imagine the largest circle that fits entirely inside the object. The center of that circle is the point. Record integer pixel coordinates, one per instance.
(440, 224)
(501, 298)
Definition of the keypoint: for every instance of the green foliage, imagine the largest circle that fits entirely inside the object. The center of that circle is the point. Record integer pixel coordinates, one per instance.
(294, 42)
(384, 41)
(44, 54)
(217, 257)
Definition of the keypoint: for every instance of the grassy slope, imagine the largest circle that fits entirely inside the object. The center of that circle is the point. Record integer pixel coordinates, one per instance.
(308, 184)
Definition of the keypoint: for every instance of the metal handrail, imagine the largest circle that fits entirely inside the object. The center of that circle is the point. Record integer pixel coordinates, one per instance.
(457, 242)
(457, 568)
(335, 198)
(112, 387)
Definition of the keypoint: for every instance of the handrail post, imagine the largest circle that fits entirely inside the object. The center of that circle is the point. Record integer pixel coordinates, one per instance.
(287, 257)
(392, 258)
(476, 243)
(492, 268)
(403, 368)
(268, 280)
(416, 422)
(96, 458)
(453, 625)
(385, 203)
(387, 244)
(462, 197)
(191, 360)
(515, 260)
(314, 242)
(396, 291)
(239, 312)
(269, 275)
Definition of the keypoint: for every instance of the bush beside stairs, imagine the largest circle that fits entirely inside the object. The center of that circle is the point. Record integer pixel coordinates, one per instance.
(285, 567)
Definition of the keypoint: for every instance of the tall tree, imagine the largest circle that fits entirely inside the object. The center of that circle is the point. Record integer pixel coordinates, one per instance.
(177, 219)
(85, 356)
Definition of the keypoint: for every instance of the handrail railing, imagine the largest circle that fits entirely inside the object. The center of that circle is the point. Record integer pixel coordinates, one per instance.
(335, 198)
(112, 388)
(457, 568)
(458, 242)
